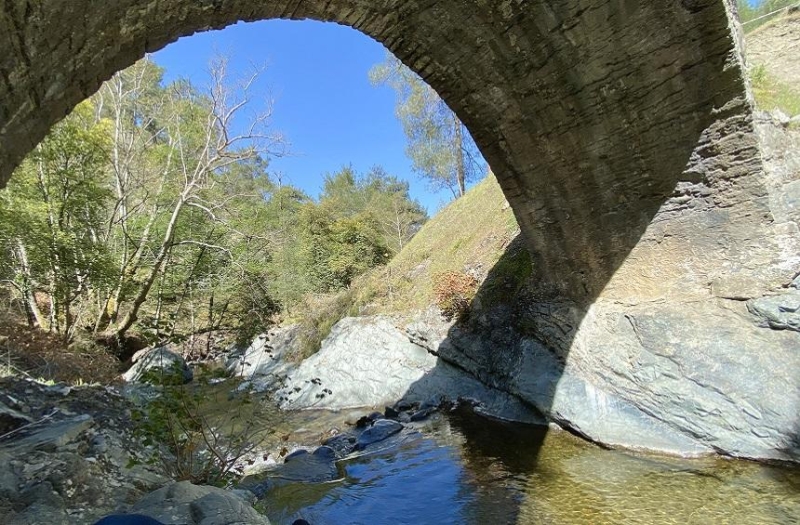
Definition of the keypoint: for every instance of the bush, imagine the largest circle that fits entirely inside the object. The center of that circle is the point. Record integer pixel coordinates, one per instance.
(454, 292)
(206, 438)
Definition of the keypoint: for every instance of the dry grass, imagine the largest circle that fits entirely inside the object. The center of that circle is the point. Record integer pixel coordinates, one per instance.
(771, 94)
(468, 237)
(41, 355)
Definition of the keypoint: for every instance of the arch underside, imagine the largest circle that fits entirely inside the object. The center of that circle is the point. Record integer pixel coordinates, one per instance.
(620, 131)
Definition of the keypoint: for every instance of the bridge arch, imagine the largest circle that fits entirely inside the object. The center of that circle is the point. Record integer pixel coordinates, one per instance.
(622, 134)
(591, 113)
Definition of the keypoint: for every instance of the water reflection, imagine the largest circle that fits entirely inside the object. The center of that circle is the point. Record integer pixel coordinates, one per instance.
(466, 469)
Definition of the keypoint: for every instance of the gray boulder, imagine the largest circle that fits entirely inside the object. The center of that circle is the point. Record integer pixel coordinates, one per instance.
(781, 312)
(369, 362)
(264, 362)
(183, 503)
(380, 430)
(158, 366)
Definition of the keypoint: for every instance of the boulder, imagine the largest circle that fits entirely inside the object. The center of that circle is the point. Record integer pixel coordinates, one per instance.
(158, 366)
(369, 362)
(264, 362)
(380, 430)
(301, 466)
(184, 503)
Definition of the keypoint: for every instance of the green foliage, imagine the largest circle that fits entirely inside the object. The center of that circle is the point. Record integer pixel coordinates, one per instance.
(204, 446)
(439, 145)
(52, 213)
(143, 209)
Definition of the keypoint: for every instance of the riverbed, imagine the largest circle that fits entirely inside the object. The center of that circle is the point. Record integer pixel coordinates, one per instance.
(461, 468)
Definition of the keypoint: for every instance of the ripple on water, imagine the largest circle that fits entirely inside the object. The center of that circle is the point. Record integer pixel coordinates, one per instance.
(468, 470)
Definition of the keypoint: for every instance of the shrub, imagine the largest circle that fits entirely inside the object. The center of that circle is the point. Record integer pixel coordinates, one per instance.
(454, 292)
(206, 443)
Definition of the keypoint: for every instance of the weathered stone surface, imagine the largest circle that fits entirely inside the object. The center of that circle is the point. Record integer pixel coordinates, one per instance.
(645, 377)
(368, 361)
(54, 435)
(781, 312)
(183, 503)
(67, 469)
(11, 419)
(378, 431)
(158, 366)
(264, 362)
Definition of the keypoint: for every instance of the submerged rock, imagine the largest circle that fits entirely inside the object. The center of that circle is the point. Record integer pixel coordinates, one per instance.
(380, 430)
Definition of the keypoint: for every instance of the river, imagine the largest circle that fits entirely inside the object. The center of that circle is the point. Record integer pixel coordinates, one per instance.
(465, 469)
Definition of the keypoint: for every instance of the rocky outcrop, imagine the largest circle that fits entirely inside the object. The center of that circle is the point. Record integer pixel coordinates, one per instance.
(158, 366)
(73, 458)
(183, 503)
(640, 378)
(369, 361)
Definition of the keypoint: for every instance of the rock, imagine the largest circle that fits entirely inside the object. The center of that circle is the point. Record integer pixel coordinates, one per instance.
(342, 444)
(158, 366)
(9, 481)
(264, 362)
(650, 378)
(183, 503)
(299, 467)
(11, 419)
(369, 361)
(781, 118)
(781, 312)
(380, 430)
(55, 435)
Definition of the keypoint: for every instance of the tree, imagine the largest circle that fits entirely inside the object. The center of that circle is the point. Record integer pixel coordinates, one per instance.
(54, 212)
(439, 145)
(197, 148)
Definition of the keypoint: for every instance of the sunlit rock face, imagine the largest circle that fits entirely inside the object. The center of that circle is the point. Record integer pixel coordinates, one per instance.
(621, 133)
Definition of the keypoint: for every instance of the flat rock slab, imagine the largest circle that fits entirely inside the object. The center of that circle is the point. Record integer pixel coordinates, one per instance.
(380, 430)
(53, 436)
(184, 503)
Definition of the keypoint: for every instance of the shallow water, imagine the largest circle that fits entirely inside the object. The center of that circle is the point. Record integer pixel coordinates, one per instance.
(464, 469)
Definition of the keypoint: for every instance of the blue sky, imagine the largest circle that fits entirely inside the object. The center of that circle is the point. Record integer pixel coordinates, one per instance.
(324, 103)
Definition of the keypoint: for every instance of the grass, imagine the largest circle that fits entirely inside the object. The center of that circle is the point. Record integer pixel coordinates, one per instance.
(472, 235)
(771, 94)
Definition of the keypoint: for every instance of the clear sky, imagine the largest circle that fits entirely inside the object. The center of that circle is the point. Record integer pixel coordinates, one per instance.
(323, 101)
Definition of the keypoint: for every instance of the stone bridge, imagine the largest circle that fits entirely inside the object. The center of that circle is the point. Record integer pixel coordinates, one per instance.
(621, 132)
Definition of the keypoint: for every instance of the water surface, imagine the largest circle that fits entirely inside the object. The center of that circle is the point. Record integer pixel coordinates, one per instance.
(464, 469)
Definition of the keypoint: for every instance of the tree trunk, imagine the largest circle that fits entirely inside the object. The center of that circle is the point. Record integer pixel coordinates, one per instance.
(461, 175)
(166, 245)
(27, 288)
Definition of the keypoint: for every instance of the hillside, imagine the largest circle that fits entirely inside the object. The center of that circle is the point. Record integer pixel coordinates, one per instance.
(772, 54)
(476, 236)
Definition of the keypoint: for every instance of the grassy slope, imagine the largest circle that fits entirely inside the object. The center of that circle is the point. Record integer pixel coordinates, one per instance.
(470, 235)
(771, 88)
